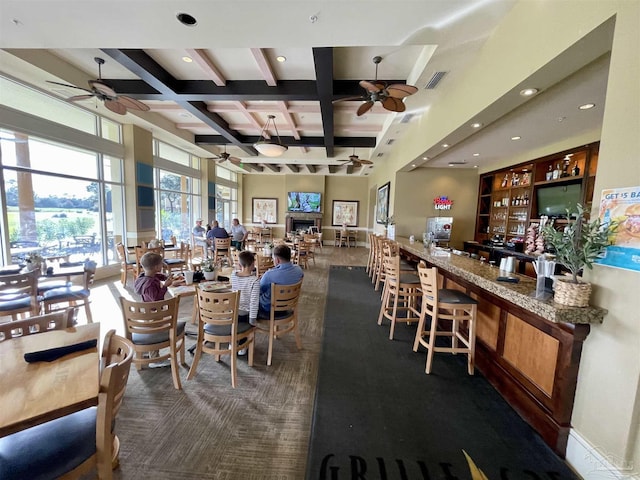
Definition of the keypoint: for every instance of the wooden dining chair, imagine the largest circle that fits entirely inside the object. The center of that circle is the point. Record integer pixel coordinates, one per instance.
(263, 263)
(300, 255)
(19, 294)
(58, 320)
(73, 445)
(180, 262)
(283, 315)
(219, 332)
(72, 295)
(222, 247)
(126, 265)
(152, 326)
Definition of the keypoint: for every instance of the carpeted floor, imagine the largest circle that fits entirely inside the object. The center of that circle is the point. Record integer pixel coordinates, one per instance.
(379, 416)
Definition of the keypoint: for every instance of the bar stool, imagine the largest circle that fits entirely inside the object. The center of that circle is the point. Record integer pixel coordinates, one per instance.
(444, 304)
(401, 293)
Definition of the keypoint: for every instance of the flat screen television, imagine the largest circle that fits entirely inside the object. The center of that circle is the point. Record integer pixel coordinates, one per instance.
(307, 202)
(554, 200)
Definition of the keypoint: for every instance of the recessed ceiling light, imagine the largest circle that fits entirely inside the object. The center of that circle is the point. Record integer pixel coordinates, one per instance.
(452, 164)
(561, 119)
(475, 166)
(476, 154)
(445, 145)
(425, 158)
(527, 92)
(476, 125)
(281, 58)
(186, 19)
(587, 106)
(413, 165)
(517, 137)
(187, 59)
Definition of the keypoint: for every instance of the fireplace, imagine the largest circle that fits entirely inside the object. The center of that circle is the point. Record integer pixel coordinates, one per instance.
(302, 221)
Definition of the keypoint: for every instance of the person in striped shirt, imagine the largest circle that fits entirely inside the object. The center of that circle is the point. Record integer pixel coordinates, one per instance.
(246, 281)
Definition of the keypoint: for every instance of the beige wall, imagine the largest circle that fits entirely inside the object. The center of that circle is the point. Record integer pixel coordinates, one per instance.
(331, 188)
(414, 201)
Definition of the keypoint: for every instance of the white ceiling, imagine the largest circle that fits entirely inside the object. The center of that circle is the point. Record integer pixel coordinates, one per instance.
(57, 40)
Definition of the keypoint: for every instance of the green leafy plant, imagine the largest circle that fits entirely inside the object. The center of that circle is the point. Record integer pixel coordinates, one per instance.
(208, 265)
(580, 243)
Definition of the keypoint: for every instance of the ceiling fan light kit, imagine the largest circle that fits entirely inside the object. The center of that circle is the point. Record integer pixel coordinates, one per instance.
(270, 147)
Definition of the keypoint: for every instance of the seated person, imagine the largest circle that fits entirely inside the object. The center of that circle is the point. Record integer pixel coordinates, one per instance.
(216, 232)
(247, 283)
(238, 234)
(152, 284)
(283, 273)
(199, 235)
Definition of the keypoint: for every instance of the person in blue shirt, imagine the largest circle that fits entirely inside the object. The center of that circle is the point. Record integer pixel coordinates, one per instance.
(283, 273)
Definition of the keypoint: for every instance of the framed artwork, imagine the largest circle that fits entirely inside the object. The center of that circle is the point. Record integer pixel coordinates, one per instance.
(265, 210)
(345, 212)
(382, 204)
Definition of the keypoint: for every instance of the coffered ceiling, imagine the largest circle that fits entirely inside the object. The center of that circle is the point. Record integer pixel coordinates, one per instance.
(210, 87)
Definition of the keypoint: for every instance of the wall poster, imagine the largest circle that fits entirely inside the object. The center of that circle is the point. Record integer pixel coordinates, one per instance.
(622, 205)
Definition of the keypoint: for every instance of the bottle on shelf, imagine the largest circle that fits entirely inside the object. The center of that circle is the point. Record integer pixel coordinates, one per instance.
(576, 169)
(556, 172)
(526, 198)
(505, 181)
(550, 172)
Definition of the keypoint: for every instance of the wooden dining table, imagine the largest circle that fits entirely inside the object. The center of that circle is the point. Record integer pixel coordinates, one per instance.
(191, 290)
(35, 393)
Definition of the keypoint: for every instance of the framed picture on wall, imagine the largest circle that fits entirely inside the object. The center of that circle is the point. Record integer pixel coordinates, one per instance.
(265, 210)
(382, 204)
(345, 212)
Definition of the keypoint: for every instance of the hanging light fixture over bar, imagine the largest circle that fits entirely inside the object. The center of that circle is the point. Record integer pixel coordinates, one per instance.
(270, 147)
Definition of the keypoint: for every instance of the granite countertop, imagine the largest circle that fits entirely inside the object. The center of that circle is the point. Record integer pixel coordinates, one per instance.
(521, 294)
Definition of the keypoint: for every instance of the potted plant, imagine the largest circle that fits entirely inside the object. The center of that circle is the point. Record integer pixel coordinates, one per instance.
(268, 248)
(209, 269)
(576, 246)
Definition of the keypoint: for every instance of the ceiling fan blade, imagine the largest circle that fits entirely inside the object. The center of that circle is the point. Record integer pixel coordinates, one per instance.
(102, 88)
(68, 85)
(400, 90)
(364, 108)
(132, 103)
(235, 160)
(357, 163)
(346, 99)
(365, 162)
(393, 104)
(115, 107)
(79, 98)
(370, 87)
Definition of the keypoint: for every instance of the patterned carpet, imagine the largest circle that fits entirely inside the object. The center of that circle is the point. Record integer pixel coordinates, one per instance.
(208, 430)
(379, 416)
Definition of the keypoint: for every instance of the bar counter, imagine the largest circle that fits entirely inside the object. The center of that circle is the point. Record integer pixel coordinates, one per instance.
(528, 348)
(484, 276)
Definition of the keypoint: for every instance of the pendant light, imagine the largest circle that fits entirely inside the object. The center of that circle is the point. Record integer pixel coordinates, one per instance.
(270, 148)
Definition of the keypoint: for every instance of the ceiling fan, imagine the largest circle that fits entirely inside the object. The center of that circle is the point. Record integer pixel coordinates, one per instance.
(224, 156)
(356, 161)
(114, 102)
(390, 96)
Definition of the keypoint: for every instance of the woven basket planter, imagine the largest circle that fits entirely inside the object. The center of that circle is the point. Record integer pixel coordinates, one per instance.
(572, 294)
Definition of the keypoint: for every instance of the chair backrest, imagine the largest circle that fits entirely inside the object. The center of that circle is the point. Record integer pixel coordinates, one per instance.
(117, 354)
(149, 317)
(19, 286)
(285, 298)
(122, 253)
(222, 243)
(429, 287)
(219, 309)
(263, 263)
(89, 273)
(58, 320)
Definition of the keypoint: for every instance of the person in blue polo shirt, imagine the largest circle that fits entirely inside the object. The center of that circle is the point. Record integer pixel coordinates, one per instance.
(283, 273)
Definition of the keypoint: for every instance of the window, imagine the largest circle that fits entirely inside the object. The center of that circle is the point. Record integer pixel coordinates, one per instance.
(226, 196)
(62, 199)
(177, 180)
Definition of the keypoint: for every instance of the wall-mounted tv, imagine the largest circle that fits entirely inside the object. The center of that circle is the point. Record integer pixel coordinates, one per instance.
(554, 200)
(307, 202)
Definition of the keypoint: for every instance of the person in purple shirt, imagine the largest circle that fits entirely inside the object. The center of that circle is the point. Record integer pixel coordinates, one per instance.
(283, 273)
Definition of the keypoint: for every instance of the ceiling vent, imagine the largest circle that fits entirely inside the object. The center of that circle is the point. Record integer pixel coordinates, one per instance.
(390, 141)
(435, 80)
(407, 118)
(457, 163)
(380, 154)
